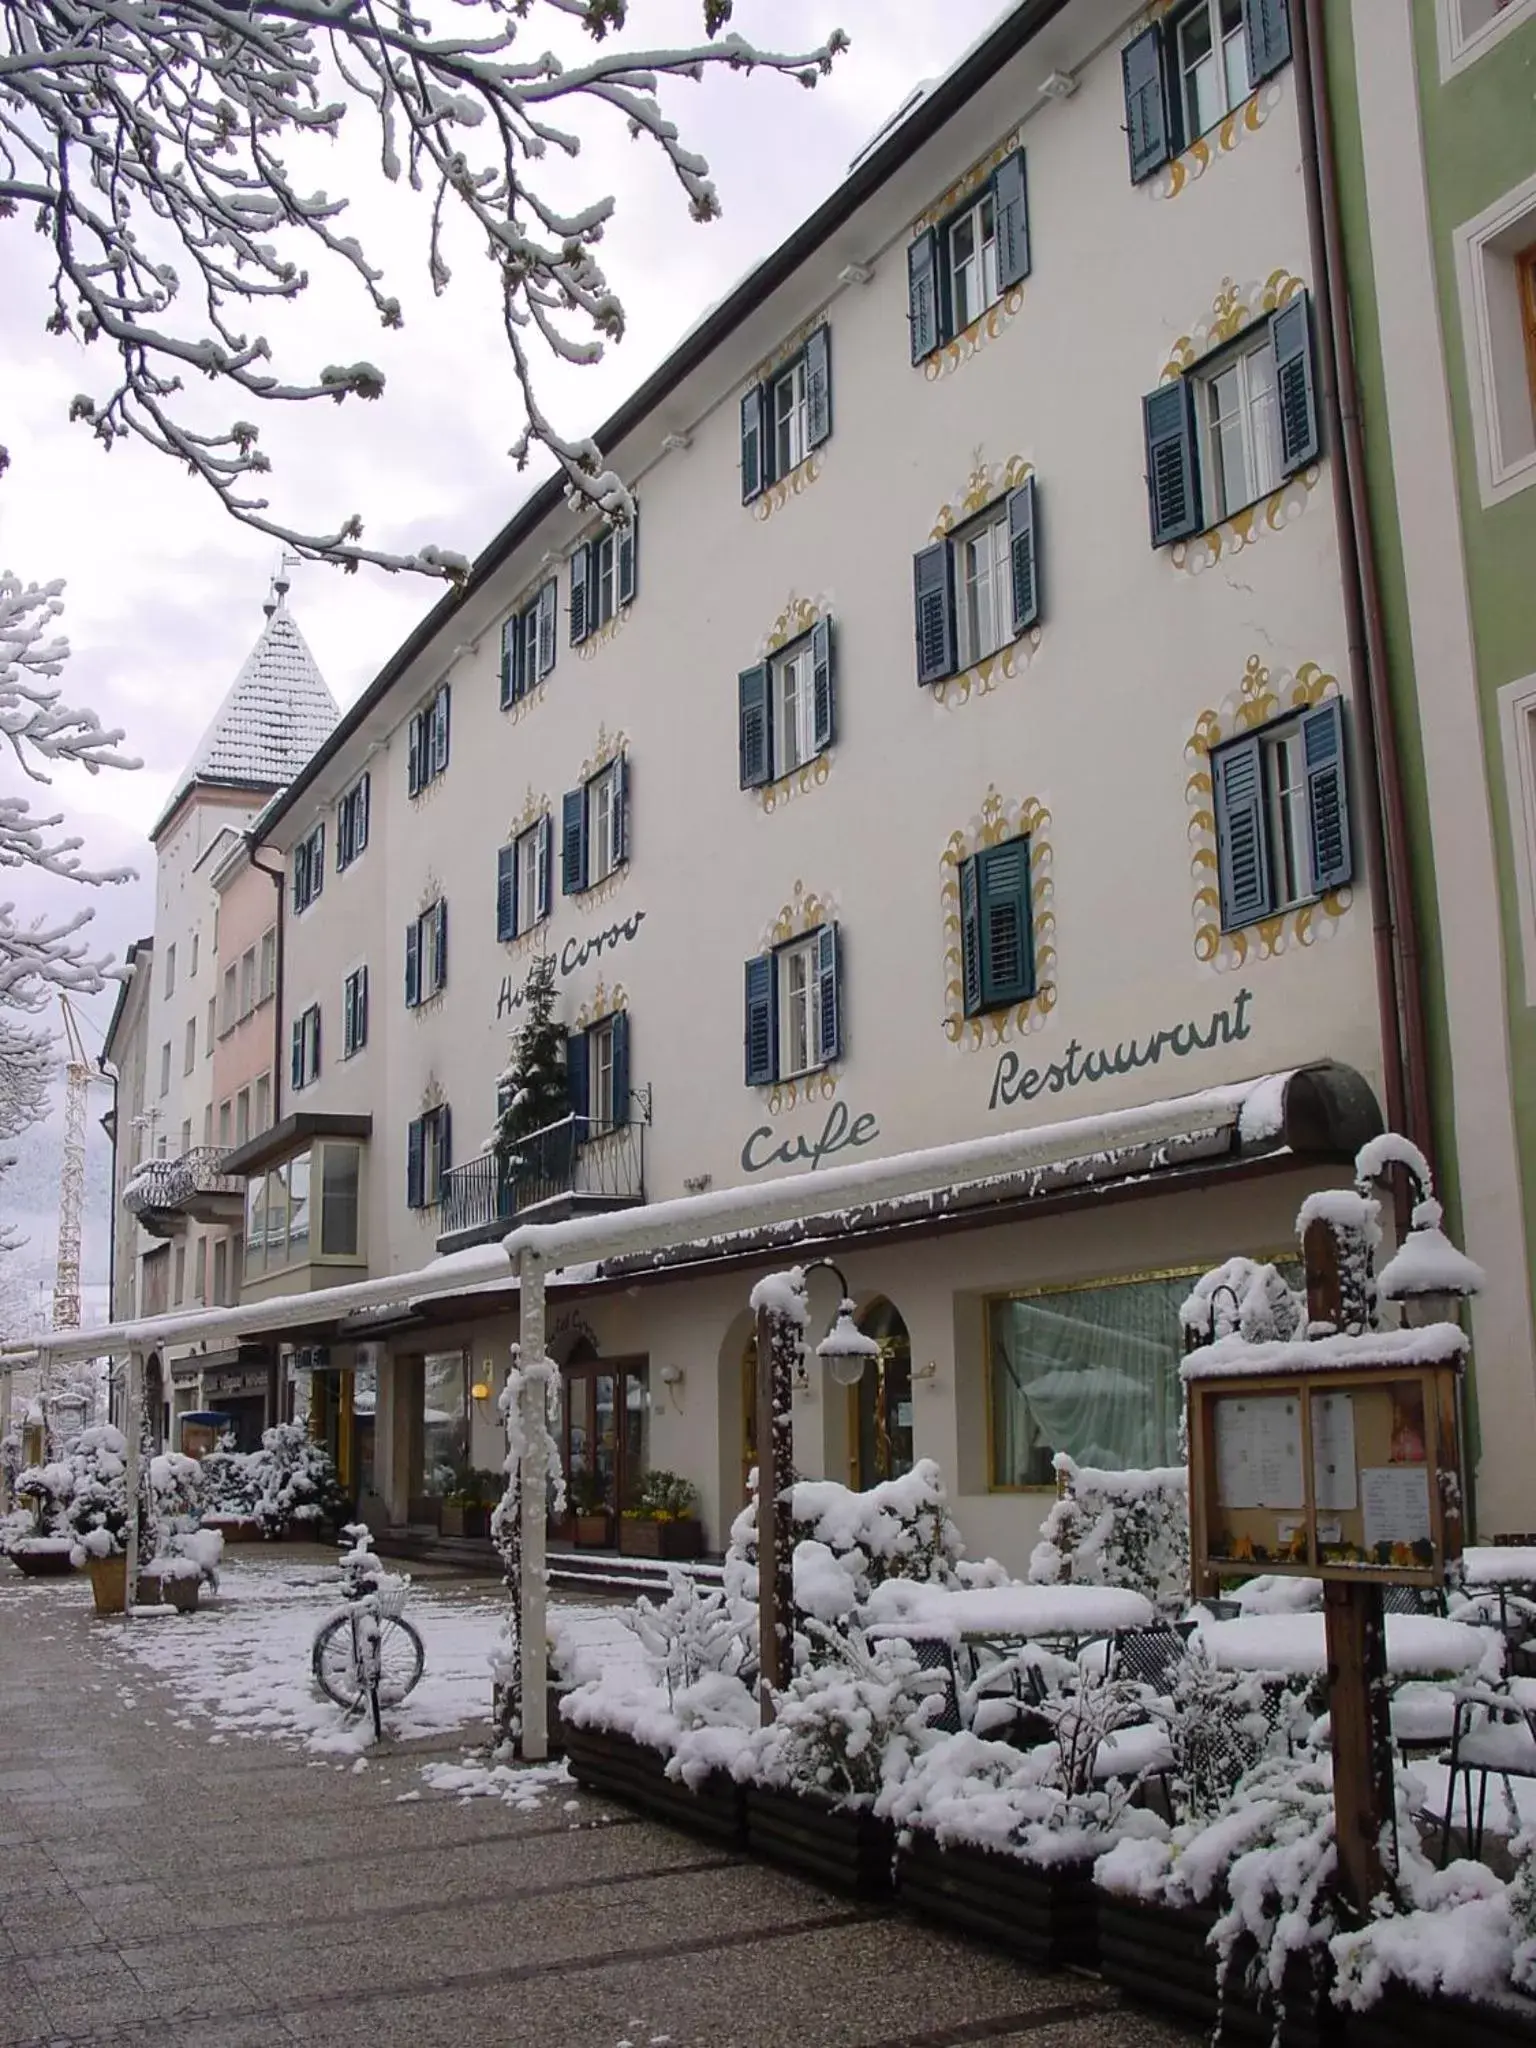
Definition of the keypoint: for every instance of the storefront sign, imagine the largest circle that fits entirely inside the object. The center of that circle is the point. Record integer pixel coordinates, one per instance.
(235, 1381)
(574, 954)
(1014, 1082)
(842, 1132)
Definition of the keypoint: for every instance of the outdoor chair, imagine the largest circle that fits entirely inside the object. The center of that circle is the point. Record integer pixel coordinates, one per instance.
(1493, 1735)
(1150, 1656)
(1413, 1600)
(1004, 1697)
(937, 1653)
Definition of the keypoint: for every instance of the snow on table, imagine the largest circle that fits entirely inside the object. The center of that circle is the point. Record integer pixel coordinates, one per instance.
(1422, 1645)
(1018, 1611)
(1493, 1564)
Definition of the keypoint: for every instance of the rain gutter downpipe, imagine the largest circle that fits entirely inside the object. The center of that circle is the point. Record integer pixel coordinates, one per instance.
(1384, 826)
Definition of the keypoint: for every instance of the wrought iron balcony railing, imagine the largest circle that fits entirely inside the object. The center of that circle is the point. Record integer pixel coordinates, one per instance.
(572, 1164)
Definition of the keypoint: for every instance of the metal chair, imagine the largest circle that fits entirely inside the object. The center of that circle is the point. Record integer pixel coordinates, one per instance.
(1151, 1655)
(1494, 1736)
(1413, 1600)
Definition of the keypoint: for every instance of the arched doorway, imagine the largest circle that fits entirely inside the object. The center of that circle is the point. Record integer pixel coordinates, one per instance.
(881, 1401)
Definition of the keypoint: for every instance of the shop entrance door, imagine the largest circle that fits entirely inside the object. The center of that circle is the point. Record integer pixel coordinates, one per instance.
(605, 1429)
(881, 1407)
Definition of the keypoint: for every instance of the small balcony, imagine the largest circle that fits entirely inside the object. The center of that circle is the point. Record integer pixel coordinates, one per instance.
(165, 1194)
(567, 1168)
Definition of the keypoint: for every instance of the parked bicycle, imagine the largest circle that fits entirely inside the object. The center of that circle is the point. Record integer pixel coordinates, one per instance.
(367, 1654)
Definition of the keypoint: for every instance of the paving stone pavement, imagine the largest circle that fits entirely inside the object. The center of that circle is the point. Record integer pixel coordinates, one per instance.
(158, 1889)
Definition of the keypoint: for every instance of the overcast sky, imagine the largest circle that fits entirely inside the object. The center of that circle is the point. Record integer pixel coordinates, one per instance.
(164, 590)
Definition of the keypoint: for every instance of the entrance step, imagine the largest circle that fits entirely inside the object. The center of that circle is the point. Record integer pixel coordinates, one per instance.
(605, 1571)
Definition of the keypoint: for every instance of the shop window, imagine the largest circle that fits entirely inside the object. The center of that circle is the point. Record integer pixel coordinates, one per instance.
(340, 1183)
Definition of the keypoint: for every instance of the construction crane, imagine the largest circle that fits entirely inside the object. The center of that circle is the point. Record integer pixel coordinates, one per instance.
(77, 1085)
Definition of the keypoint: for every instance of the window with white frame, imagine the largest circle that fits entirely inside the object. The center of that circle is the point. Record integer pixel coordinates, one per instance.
(186, 1137)
(207, 1126)
(352, 823)
(1496, 282)
(600, 1045)
(170, 970)
(979, 588)
(229, 998)
(1211, 56)
(1517, 722)
(960, 266)
(791, 417)
(165, 1068)
(427, 741)
(787, 712)
(354, 1012)
(192, 968)
(242, 1116)
(305, 1048)
(793, 1008)
(248, 981)
(309, 868)
(794, 709)
(787, 416)
(604, 577)
(189, 1060)
(428, 1157)
(973, 260)
(426, 955)
(213, 1027)
(1241, 427)
(528, 645)
(597, 1075)
(523, 879)
(1281, 798)
(1469, 29)
(226, 1124)
(594, 828)
(1187, 70)
(266, 979)
(262, 1103)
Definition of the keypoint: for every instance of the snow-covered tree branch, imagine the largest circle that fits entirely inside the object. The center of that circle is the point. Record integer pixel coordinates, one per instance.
(148, 140)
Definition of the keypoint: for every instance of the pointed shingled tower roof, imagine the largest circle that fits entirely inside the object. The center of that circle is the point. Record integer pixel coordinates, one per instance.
(276, 713)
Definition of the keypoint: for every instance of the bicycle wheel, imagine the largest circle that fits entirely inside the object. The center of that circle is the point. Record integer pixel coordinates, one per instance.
(401, 1657)
(335, 1663)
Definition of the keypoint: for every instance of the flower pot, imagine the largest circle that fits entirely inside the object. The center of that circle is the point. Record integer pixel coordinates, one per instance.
(845, 1848)
(619, 1767)
(146, 1591)
(678, 1539)
(44, 1558)
(182, 1593)
(1043, 1913)
(1161, 1957)
(1405, 2019)
(452, 1521)
(235, 1528)
(109, 1583)
(594, 1532)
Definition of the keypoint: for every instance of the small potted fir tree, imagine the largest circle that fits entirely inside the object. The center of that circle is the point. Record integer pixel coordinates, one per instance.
(663, 1520)
(535, 1090)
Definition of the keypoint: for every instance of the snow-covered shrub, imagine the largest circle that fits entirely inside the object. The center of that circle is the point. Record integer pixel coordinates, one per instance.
(176, 1486)
(1118, 1529)
(1244, 1298)
(230, 1485)
(853, 1714)
(294, 1480)
(1219, 1728)
(97, 1511)
(44, 1491)
(690, 1636)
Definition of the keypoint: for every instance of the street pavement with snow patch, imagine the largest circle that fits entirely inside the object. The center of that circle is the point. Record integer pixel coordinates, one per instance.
(196, 1851)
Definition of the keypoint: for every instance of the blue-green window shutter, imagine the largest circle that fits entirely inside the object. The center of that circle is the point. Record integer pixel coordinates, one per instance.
(548, 605)
(823, 686)
(754, 726)
(934, 598)
(362, 798)
(413, 754)
(970, 937)
(1173, 482)
(620, 1030)
(923, 293)
(1011, 200)
(581, 566)
(1322, 742)
(314, 1055)
(506, 891)
(753, 438)
(1147, 127)
(573, 842)
(829, 1006)
(440, 946)
(546, 831)
(1007, 926)
(301, 875)
(360, 1011)
(818, 385)
(621, 810)
(629, 560)
(413, 963)
(296, 1055)
(1242, 837)
(511, 652)
(348, 1030)
(1290, 335)
(1022, 551)
(415, 1164)
(444, 1147)
(1267, 24)
(762, 1023)
(578, 1079)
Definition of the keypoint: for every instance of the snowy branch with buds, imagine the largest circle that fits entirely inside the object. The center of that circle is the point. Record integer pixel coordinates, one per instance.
(134, 129)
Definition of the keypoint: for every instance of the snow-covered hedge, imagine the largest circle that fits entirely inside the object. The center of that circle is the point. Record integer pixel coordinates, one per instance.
(847, 1720)
(1118, 1529)
(293, 1480)
(97, 1511)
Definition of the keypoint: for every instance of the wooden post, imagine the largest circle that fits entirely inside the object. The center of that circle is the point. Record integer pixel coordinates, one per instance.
(778, 1347)
(1355, 1628)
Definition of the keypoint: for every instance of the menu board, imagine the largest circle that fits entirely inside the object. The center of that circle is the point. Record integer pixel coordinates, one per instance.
(1258, 1452)
(1395, 1500)
(1333, 1452)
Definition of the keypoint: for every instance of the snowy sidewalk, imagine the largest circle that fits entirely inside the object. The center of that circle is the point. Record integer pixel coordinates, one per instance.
(193, 1850)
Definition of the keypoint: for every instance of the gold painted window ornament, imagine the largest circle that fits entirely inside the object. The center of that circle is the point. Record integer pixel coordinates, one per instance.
(976, 589)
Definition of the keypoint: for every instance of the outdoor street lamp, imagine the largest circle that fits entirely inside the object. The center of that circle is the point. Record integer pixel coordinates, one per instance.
(1427, 1276)
(845, 1350)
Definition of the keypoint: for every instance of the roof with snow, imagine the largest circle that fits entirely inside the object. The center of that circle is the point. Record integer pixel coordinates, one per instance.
(276, 713)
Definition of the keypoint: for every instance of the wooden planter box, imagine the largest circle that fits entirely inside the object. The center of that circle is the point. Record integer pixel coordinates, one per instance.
(844, 1848)
(109, 1583)
(594, 1532)
(1044, 1914)
(235, 1528)
(1158, 1955)
(679, 1540)
(34, 1563)
(635, 1774)
(1405, 2017)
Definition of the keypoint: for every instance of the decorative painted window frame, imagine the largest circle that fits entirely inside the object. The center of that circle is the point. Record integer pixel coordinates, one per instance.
(536, 804)
(1263, 694)
(606, 750)
(1517, 726)
(793, 623)
(987, 326)
(804, 912)
(797, 481)
(987, 483)
(1501, 473)
(998, 819)
(1458, 50)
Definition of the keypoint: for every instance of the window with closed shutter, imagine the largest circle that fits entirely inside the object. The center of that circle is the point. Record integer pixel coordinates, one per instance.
(996, 927)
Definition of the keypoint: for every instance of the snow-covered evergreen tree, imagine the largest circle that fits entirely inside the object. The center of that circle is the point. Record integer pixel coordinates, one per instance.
(535, 1086)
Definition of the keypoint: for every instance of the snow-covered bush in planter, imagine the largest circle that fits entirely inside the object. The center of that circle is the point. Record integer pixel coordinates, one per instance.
(1118, 1529)
(176, 1485)
(44, 1491)
(230, 1486)
(855, 1713)
(294, 1481)
(691, 1635)
(97, 1511)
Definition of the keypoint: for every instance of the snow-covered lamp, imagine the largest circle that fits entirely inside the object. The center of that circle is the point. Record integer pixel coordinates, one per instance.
(845, 1350)
(1427, 1275)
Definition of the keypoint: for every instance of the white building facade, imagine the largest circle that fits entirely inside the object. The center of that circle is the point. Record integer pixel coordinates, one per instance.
(962, 738)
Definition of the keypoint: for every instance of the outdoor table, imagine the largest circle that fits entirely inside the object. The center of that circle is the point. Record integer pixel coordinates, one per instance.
(1418, 1645)
(990, 1614)
(1495, 1564)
